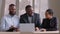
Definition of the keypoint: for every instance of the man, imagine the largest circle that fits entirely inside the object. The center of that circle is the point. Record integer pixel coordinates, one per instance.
(10, 22)
(30, 17)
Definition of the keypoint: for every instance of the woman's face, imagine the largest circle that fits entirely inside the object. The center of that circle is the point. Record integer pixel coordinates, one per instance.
(47, 15)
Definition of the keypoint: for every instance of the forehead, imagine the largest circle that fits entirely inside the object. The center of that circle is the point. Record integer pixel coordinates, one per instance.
(46, 13)
(12, 7)
(30, 8)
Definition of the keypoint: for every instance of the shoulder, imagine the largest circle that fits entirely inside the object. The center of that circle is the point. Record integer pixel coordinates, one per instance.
(36, 13)
(23, 15)
(16, 17)
(4, 17)
(44, 19)
(54, 18)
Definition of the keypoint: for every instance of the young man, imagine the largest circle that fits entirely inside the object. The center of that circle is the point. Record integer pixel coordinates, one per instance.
(30, 17)
(10, 22)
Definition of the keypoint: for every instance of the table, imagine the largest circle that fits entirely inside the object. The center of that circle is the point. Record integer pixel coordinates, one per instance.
(47, 32)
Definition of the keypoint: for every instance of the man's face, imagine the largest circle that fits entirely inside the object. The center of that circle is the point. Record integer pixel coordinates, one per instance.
(29, 11)
(12, 10)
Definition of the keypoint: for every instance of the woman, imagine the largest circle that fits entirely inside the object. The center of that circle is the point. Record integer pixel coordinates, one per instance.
(50, 22)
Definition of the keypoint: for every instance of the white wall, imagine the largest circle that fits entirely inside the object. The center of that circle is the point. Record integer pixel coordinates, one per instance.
(22, 5)
(4, 7)
(7, 3)
(43, 8)
(1, 8)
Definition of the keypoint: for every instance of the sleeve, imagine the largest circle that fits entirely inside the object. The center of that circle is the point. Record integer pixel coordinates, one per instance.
(3, 24)
(53, 23)
(42, 26)
(38, 21)
(18, 26)
(21, 20)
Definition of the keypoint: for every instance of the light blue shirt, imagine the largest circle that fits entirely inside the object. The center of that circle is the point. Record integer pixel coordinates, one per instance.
(8, 21)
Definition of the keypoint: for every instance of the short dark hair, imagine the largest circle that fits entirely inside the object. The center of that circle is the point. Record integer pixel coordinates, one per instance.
(11, 5)
(50, 11)
(28, 6)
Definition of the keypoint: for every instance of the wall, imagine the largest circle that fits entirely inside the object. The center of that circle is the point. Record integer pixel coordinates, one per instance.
(0, 8)
(7, 3)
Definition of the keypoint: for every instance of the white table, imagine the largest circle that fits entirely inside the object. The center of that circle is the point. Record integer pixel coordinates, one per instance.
(47, 32)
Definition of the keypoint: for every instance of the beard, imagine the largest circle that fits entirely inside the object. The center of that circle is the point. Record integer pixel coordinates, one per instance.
(12, 13)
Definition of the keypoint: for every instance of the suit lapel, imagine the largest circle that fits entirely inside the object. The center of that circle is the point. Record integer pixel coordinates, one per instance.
(33, 19)
(27, 18)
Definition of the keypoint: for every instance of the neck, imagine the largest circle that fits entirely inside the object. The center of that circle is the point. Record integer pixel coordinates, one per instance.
(30, 15)
(11, 14)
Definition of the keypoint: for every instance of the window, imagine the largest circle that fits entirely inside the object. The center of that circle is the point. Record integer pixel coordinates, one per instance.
(22, 5)
(39, 6)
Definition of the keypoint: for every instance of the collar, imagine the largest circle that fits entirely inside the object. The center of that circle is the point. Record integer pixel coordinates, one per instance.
(32, 15)
(11, 16)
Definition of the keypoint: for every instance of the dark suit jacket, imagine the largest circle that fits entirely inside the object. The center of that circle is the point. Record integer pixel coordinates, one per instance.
(50, 24)
(36, 19)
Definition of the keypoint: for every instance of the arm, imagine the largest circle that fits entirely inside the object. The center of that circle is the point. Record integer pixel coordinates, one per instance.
(42, 26)
(3, 24)
(21, 20)
(38, 21)
(53, 24)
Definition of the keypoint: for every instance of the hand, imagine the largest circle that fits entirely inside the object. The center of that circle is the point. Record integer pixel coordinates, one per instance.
(17, 30)
(43, 29)
(12, 27)
(37, 29)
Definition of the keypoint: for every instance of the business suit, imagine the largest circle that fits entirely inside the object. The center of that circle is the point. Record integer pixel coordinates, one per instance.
(50, 24)
(35, 19)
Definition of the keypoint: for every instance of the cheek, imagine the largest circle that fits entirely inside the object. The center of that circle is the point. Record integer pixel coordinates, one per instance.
(11, 10)
(47, 16)
(30, 12)
(14, 10)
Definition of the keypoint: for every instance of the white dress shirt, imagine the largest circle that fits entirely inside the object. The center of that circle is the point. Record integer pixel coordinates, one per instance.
(8, 21)
(30, 18)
